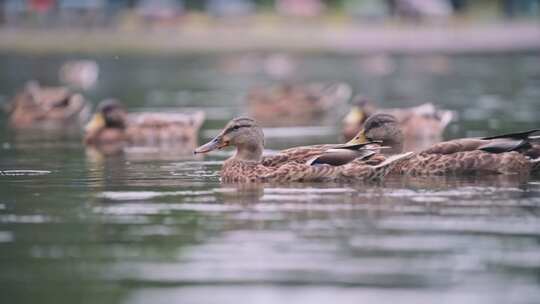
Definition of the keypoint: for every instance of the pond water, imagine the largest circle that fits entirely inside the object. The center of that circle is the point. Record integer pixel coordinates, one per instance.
(79, 227)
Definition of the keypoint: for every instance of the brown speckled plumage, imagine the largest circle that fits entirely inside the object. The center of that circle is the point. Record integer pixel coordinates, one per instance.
(297, 155)
(234, 170)
(465, 163)
(249, 172)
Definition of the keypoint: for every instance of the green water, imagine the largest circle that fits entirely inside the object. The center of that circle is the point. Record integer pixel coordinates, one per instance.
(160, 228)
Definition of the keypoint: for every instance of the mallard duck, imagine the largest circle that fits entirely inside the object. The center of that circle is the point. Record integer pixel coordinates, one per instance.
(421, 126)
(246, 165)
(46, 106)
(294, 104)
(516, 153)
(112, 124)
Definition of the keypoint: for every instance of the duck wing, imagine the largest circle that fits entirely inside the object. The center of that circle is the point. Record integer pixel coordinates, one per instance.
(338, 157)
(305, 154)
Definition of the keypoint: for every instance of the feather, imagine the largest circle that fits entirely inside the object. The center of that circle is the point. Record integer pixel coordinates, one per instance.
(517, 135)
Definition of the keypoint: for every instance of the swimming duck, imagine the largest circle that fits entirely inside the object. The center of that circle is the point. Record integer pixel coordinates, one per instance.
(294, 104)
(516, 153)
(112, 124)
(246, 165)
(37, 105)
(421, 126)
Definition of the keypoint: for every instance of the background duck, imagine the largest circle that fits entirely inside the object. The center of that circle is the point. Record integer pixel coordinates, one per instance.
(515, 153)
(421, 126)
(112, 124)
(36, 105)
(295, 104)
(246, 166)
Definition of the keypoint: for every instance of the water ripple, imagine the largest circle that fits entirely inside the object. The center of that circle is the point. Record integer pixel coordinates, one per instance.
(23, 172)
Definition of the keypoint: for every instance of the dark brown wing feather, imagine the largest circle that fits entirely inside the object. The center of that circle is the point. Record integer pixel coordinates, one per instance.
(338, 157)
(504, 145)
(518, 135)
(495, 144)
(454, 146)
(298, 155)
(308, 153)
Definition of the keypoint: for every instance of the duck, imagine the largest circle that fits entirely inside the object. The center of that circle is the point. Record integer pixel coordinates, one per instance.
(289, 104)
(112, 124)
(514, 153)
(246, 164)
(421, 126)
(37, 105)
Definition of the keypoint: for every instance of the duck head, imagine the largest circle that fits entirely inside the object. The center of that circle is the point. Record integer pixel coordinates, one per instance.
(384, 128)
(361, 109)
(242, 133)
(109, 114)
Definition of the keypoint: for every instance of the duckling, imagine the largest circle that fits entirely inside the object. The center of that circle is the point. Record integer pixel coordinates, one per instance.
(112, 124)
(295, 105)
(246, 166)
(515, 153)
(36, 105)
(421, 126)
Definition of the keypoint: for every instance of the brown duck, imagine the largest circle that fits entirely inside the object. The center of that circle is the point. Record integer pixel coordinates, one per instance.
(296, 104)
(112, 124)
(246, 165)
(516, 153)
(36, 105)
(421, 126)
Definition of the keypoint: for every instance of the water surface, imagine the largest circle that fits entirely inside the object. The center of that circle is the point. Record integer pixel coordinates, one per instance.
(146, 227)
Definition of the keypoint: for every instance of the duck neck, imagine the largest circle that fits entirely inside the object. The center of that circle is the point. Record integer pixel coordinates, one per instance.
(393, 139)
(396, 147)
(249, 151)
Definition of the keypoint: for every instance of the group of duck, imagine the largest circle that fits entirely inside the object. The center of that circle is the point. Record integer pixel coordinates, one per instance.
(375, 152)
(111, 127)
(380, 142)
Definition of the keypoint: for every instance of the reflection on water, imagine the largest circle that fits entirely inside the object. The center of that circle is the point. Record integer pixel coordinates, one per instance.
(146, 226)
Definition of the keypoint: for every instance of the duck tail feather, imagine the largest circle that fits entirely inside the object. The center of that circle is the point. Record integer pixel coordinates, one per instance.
(518, 135)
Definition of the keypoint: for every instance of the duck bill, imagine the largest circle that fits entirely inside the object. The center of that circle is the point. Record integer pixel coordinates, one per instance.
(97, 122)
(214, 144)
(359, 139)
